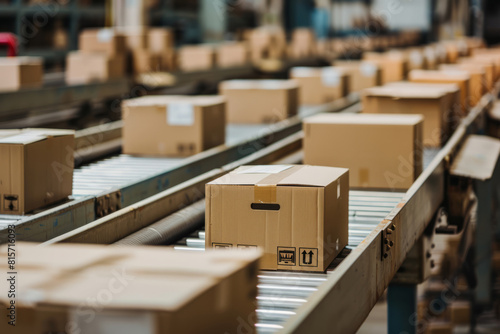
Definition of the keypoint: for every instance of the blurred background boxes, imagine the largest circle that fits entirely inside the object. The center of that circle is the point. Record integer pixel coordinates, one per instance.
(20, 72)
(318, 85)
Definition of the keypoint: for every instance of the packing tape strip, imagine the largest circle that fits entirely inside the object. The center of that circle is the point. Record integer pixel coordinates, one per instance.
(264, 193)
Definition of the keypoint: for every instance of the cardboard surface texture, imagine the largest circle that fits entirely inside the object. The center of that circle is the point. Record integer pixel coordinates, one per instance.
(133, 290)
(102, 40)
(298, 215)
(319, 85)
(384, 151)
(36, 169)
(182, 125)
(432, 103)
(85, 67)
(260, 101)
(232, 54)
(477, 158)
(20, 72)
(394, 64)
(196, 57)
(144, 61)
(363, 74)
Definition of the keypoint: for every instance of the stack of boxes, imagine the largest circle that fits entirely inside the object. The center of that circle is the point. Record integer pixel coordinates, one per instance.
(102, 57)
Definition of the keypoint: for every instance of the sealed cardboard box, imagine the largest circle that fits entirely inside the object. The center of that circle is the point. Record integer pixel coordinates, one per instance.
(477, 80)
(160, 40)
(87, 67)
(232, 54)
(257, 206)
(20, 72)
(460, 78)
(384, 150)
(144, 61)
(36, 169)
(102, 40)
(363, 74)
(394, 64)
(260, 101)
(182, 125)
(196, 57)
(431, 103)
(320, 85)
(129, 290)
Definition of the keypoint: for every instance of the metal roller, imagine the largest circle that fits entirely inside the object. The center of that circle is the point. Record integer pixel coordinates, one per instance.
(169, 229)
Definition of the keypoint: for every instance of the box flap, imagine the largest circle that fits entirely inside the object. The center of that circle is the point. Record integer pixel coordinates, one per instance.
(259, 84)
(9, 61)
(449, 87)
(292, 175)
(369, 119)
(477, 158)
(405, 92)
(438, 75)
(23, 138)
(163, 100)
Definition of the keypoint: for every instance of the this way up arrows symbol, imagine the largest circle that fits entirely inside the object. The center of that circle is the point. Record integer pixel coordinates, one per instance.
(304, 254)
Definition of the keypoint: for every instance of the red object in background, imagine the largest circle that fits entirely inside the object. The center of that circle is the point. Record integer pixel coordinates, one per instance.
(11, 41)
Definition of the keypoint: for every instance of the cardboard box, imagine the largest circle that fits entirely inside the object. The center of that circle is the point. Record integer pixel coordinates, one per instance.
(460, 78)
(384, 151)
(160, 40)
(394, 65)
(85, 67)
(477, 80)
(36, 169)
(168, 60)
(102, 40)
(173, 125)
(258, 206)
(266, 42)
(303, 41)
(433, 104)
(135, 37)
(232, 54)
(260, 101)
(20, 72)
(144, 61)
(363, 74)
(320, 85)
(196, 58)
(130, 290)
(486, 65)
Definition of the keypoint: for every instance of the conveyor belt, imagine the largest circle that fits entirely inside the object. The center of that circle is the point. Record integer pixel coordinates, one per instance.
(281, 292)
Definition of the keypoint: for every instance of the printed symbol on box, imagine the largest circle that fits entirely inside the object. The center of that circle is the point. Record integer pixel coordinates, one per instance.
(11, 202)
(308, 257)
(286, 256)
(219, 245)
(247, 247)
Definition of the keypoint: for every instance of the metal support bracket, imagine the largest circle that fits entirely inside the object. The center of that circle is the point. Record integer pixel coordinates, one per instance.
(108, 203)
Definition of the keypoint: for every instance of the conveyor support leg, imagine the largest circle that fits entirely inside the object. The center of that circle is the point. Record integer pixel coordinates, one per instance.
(402, 308)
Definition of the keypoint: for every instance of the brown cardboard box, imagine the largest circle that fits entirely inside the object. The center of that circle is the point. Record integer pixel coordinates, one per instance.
(196, 57)
(257, 206)
(86, 67)
(460, 78)
(102, 40)
(486, 65)
(168, 60)
(160, 39)
(318, 85)
(303, 42)
(266, 42)
(384, 151)
(477, 80)
(144, 61)
(452, 100)
(393, 64)
(36, 169)
(364, 74)
(433, 104)
(173, 125)
(260, 101)
(130, 290)
(232, 54)
(20, 72)
(489, 57)
(135, 37)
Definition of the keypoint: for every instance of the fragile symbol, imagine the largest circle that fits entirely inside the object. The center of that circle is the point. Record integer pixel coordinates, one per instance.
(10, 203)
(308, 257)
(286, 256)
